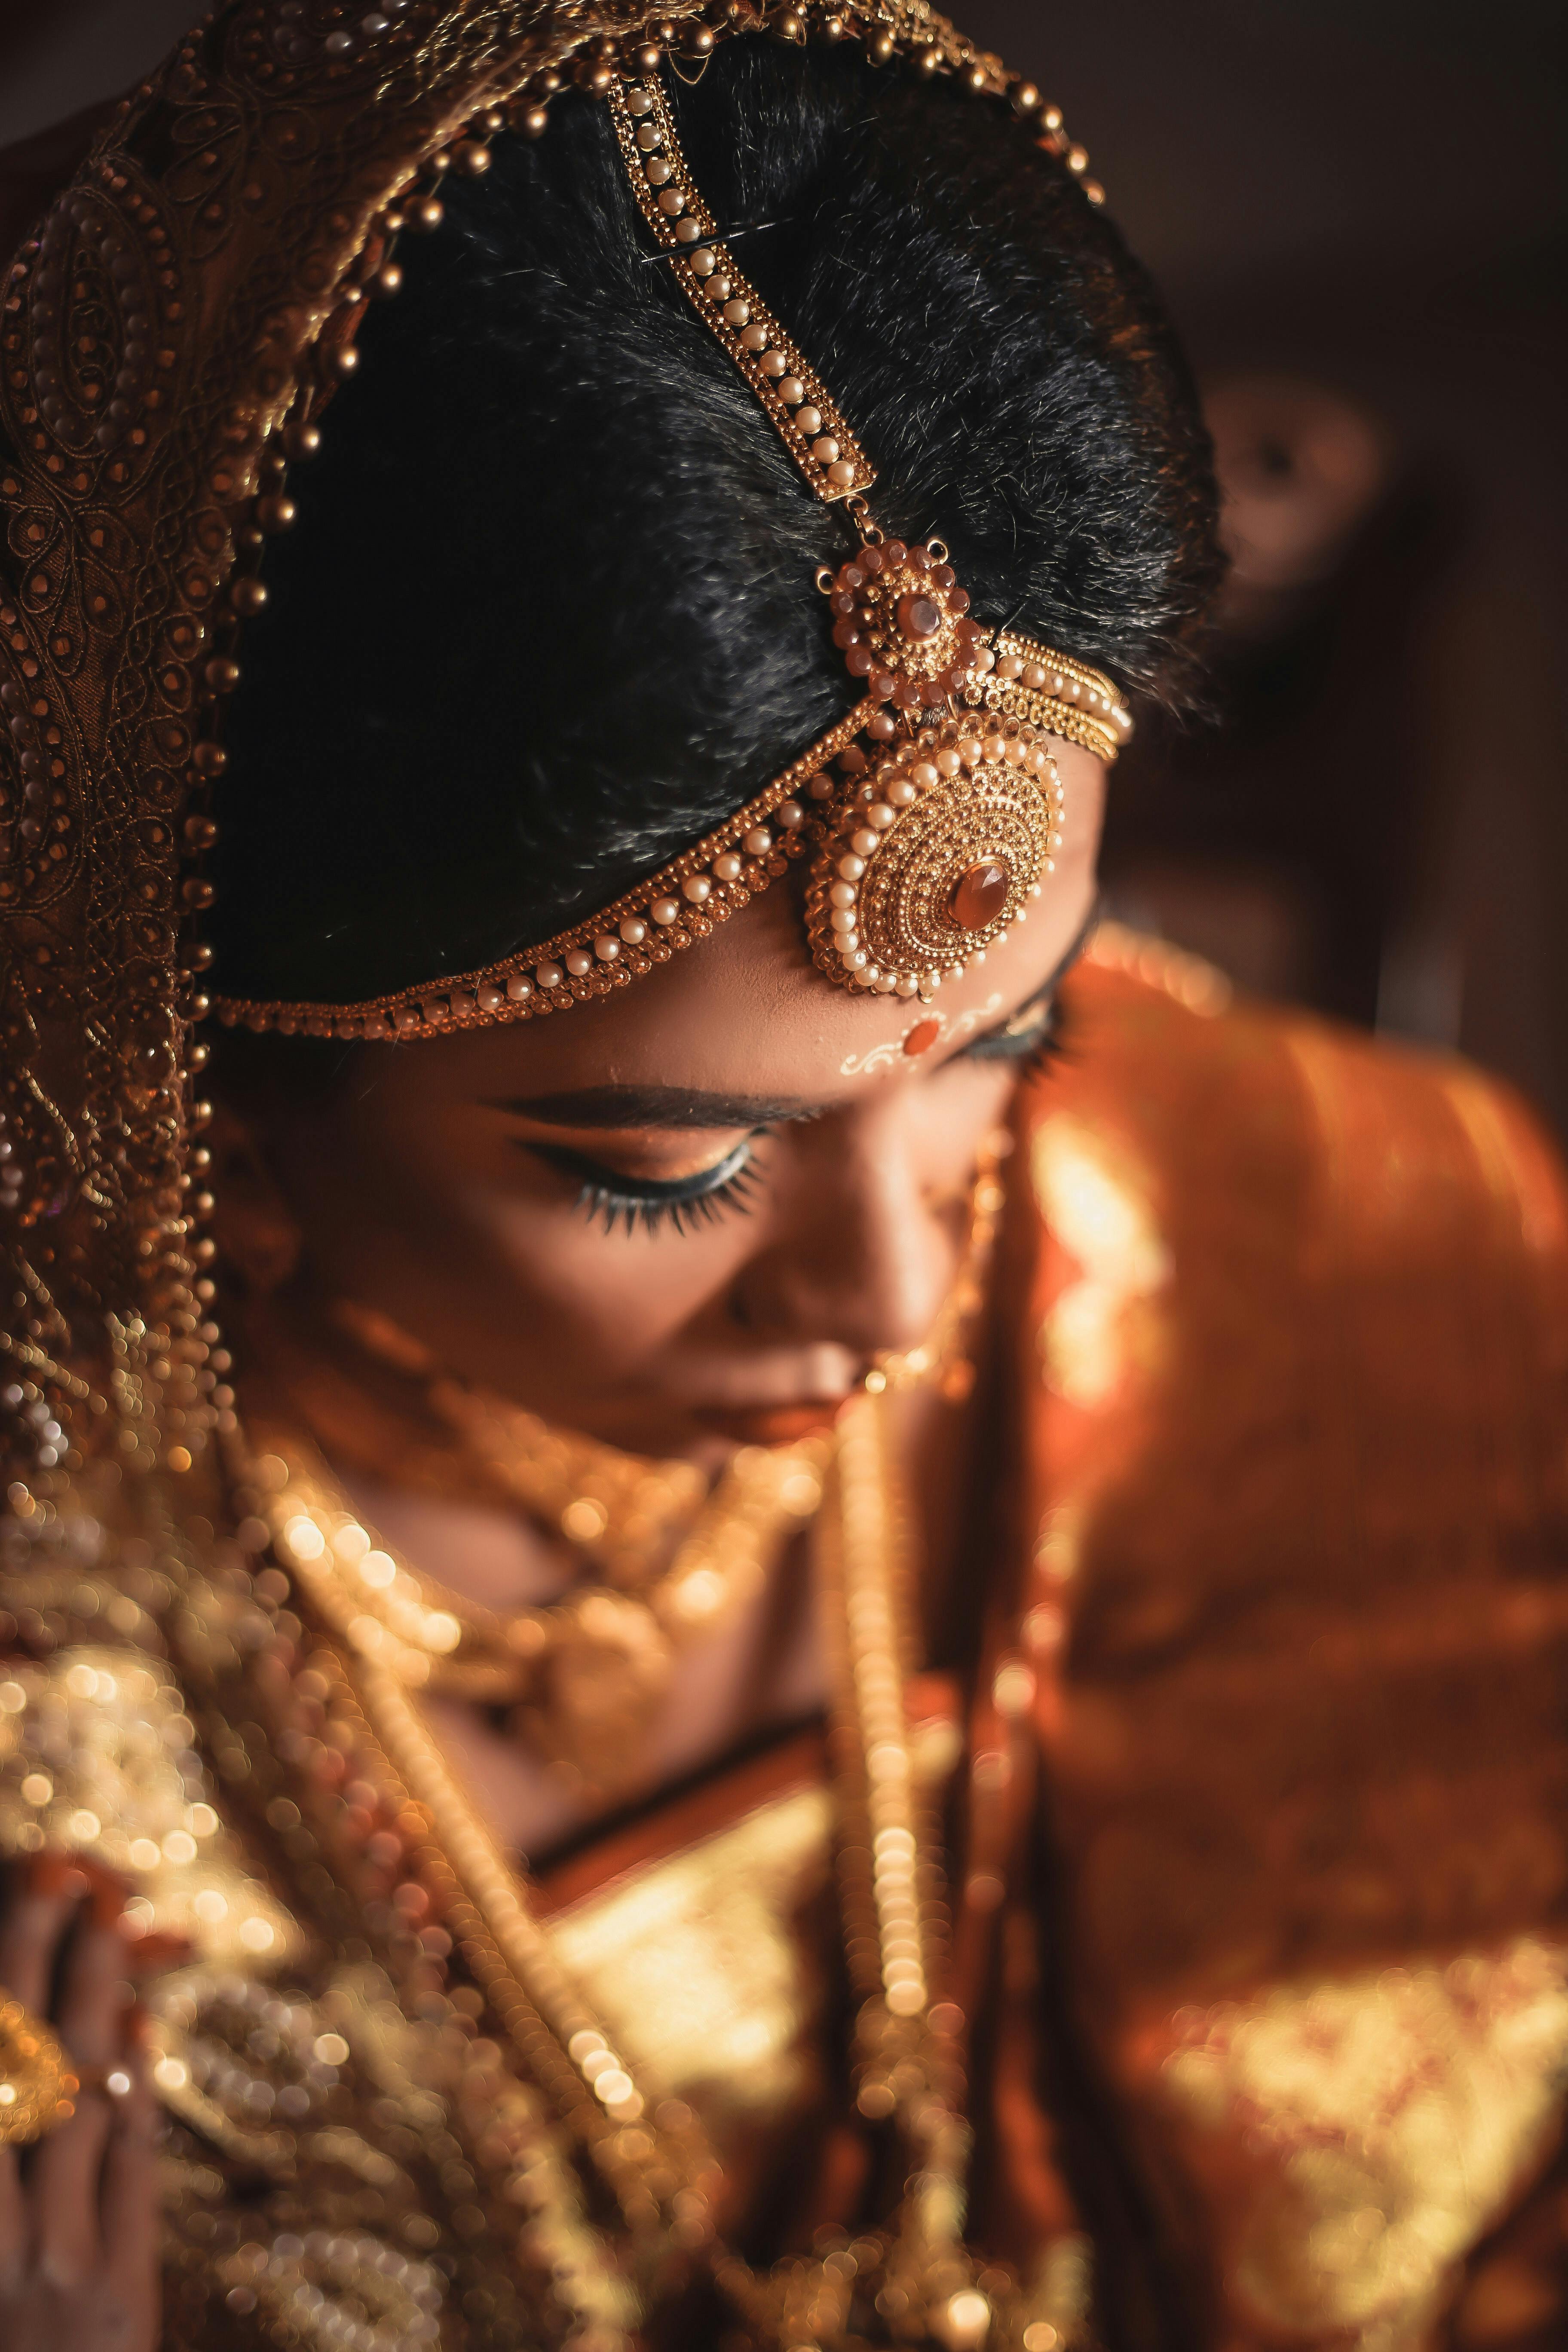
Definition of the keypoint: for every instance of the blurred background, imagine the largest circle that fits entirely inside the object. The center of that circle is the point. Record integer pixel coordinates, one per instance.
(1358, 211)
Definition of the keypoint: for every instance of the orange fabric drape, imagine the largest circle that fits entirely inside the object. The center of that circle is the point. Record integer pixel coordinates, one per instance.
(1295, 1358)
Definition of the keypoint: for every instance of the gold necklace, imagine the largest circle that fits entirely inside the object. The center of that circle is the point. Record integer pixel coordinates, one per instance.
(913, 2280)
(622, 1511)
(583, 1676)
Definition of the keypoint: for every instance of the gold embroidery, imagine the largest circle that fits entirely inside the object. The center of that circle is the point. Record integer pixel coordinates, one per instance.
(1387, 2120)
(693, 1962)
(96, 1757)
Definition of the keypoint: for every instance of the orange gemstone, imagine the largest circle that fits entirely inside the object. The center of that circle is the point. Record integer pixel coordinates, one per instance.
(922, 1036)
(919, 616)
(978, 896)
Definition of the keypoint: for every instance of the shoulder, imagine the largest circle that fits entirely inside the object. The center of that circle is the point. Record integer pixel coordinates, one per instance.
(1260, 1245)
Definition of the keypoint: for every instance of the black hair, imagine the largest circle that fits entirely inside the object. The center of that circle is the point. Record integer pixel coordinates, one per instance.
(547, 614)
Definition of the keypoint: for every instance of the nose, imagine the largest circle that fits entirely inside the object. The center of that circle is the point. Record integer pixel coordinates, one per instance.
(857, 1252)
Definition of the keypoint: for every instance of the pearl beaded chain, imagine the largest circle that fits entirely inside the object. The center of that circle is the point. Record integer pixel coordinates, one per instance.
(901, 620)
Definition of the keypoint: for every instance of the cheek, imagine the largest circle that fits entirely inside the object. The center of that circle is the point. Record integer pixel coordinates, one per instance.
(494, 1259)
(623, 1295)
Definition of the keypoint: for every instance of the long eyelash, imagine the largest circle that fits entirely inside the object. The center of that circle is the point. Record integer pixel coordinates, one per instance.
(632, 1209)
(1046, 1049)
(659, 1208)
(1058, 1044)
(1028, 1051)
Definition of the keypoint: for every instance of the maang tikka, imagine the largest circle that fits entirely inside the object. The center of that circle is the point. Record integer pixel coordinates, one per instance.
(173, 333)
(931, 813)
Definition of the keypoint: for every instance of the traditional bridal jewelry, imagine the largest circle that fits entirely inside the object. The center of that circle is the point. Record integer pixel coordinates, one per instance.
(38, 2086)
(931, 810)
(583, 1676)
(622, 1511)
(171, 349)
(901, 895)
(907, 2052)
(171, 354)
(942, 1356)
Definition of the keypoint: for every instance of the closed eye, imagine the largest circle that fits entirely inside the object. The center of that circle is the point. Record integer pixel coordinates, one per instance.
(678, 1204)
(1030, 1037)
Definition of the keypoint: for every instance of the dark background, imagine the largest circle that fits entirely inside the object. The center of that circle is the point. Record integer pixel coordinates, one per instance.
(1358, 214)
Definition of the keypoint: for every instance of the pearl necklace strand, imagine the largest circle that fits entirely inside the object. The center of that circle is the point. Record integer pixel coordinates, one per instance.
(907, 2061)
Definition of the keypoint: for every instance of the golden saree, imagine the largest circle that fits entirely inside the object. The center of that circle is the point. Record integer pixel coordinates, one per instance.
(1253, 1807)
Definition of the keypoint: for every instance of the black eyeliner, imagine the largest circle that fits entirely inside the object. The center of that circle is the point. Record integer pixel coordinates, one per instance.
(1024, 1046)
(681, 1203)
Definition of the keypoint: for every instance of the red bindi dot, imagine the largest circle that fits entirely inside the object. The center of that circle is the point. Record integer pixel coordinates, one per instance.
(922, 1036)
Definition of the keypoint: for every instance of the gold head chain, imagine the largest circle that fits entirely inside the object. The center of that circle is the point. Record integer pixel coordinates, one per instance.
(192, 269)
(931, 811)
(173, 333)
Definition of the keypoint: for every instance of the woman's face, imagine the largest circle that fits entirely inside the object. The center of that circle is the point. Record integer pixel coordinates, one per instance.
(698, 1207)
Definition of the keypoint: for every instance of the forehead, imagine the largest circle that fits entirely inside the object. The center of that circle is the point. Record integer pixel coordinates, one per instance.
(745, 1011)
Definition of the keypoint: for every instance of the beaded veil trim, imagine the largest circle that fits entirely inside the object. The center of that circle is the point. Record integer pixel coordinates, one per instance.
(971, 826)
(170, 339)
(167, 344)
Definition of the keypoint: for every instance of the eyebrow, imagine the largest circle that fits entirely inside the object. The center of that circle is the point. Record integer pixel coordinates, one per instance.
(684, 1106)
(628, 1106)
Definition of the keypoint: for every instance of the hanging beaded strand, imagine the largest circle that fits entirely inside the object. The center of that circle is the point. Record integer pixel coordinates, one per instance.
(926, 652)
(907, 2062)
(585, 1674)
(794, 396)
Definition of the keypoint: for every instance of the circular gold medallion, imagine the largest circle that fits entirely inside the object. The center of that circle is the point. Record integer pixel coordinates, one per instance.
(902, 622)
(929, 859)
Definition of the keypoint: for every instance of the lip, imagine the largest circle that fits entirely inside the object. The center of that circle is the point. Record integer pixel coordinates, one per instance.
(778, 1424)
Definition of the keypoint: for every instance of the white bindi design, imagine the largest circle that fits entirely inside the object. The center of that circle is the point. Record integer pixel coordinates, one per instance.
(931, 1029)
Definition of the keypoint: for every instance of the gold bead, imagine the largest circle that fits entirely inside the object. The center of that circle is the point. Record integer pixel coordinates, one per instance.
(964, 2322)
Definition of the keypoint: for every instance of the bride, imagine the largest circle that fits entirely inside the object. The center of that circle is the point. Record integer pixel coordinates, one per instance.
(756, 1595)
